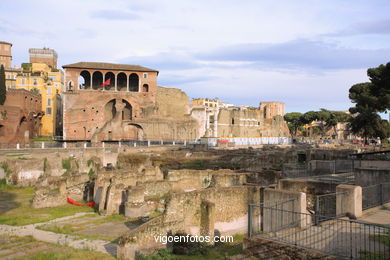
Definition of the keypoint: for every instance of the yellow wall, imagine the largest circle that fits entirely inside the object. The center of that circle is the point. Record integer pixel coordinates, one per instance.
(49, 84)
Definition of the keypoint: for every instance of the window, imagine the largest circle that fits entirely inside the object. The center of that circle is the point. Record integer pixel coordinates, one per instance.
(48, 111)
(49, 92)
(145, 75)
(49, 101)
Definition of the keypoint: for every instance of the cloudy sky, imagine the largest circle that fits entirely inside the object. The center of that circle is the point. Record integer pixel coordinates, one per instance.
(306, 53)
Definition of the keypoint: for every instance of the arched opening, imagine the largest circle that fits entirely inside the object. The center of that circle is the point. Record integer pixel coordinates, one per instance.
(145, 88)
(84, 80)
(110, 79)
(109, 110)
(127, 111)
(97, 80)
(134, 82)
(118, 109)
(122, 82)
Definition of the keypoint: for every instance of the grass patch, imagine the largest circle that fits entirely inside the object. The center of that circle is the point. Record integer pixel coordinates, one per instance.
(366, 255)
(75, 228)
(21, 213)
(28, 246)
(42, 139)
(68, 229)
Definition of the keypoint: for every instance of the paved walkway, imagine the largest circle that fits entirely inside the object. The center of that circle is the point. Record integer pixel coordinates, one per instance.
(62, 239)
(377, 216)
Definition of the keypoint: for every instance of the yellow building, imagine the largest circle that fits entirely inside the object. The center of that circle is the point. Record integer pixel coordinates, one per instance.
(49, 83)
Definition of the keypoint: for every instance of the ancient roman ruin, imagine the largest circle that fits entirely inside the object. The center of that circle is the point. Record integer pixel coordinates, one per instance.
(204, 191)
(113, 102)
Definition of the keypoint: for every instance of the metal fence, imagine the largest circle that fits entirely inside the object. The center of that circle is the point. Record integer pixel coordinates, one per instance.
(338, 237)
(80, 144)
(326, 206)
(375, 195)
(318, 167)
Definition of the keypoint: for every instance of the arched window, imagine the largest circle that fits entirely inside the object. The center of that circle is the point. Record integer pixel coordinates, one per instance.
(121, 82)
(111, 110)
(109, 78)
(97, 80)
(145, 88)
(70, 86)
(134, 82)
(84, 80)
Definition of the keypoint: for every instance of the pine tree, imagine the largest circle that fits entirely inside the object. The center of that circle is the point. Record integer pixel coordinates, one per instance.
(3, 91)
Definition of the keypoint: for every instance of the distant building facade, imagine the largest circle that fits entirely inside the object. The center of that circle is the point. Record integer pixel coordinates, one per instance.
(20, 116)
(228, 121)
(272, 109)
(45, 55)
(49, 82)
(6, 61)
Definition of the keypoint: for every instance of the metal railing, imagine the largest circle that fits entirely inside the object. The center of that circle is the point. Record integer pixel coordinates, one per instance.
(375, 195)
(326, 206)
(81, 144)
(318, 167)
(337, 237)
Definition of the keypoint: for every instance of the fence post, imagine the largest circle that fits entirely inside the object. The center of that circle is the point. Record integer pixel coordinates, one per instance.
(249, 220)
(85, 144)
(64, 145)
(381, 194)
(316, 210)
(18, 146)
(135, 144)
(173, 143)
(185, 142)
(350, 235)
(162, 142)
(43, 145)
(103, 144)
(148, 143)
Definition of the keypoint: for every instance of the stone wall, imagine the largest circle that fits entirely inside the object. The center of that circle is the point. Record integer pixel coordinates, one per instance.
(163, 114)
(183, 213)
(311, 188)
(371, 176)
(20, 116)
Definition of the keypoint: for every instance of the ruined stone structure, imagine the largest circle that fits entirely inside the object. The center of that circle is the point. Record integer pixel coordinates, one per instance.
(122, 102)
(229, 122)
(20, 116)
(272, 109)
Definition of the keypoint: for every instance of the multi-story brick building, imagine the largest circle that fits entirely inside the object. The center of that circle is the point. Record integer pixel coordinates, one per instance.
(106, 101)
(20, 116)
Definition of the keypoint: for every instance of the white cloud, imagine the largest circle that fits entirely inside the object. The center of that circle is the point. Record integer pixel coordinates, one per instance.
(169, 35)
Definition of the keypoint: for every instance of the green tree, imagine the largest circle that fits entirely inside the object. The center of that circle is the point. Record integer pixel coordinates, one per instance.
(35, 91)
(370, 98)
(3, 91)
(380, 86)
(369, 124)
(294, 122)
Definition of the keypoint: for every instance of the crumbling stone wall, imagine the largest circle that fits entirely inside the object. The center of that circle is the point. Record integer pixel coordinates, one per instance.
(184, 214)
(160, 115)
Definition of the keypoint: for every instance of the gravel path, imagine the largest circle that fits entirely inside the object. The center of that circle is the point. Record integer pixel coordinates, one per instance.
(62, 239)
